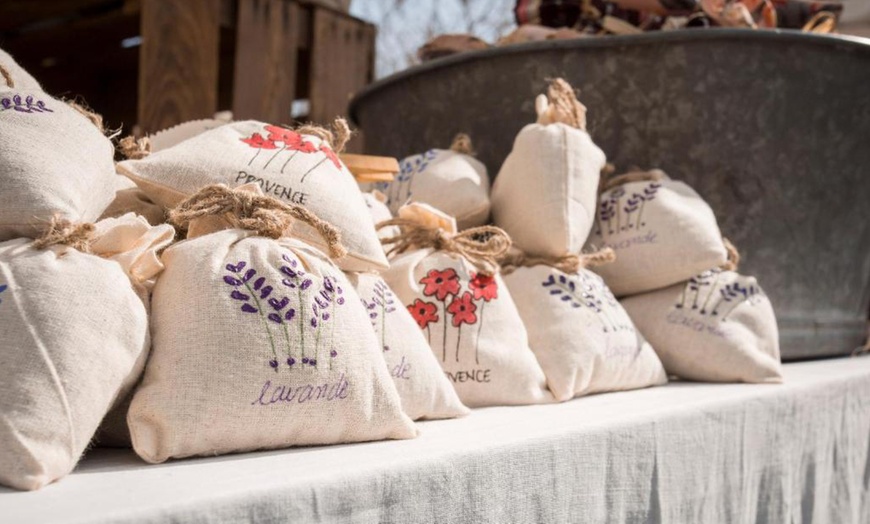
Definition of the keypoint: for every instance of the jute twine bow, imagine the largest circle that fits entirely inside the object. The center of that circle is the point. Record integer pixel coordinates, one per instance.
(7, 76)
(482, 246)
(569, 264)
(733, 261)
(133, 148)
(635, 176)
(264, 215)
(63, 232)
(337, 137)
(462, 144)
(564, 106)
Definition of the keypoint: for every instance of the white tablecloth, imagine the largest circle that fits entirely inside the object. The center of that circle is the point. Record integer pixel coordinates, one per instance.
(694, 453)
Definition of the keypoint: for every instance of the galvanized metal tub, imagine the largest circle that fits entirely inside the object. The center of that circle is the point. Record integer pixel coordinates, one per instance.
(772, 128)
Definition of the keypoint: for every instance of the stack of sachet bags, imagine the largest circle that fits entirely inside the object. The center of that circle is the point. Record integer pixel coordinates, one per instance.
(231, 292)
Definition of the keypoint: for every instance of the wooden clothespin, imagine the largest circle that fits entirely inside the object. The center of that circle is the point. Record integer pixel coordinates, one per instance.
(368, 168)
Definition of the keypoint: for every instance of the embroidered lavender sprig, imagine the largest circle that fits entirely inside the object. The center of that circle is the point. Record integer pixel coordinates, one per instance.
(255, 293)
(28, 105)
(649, 193)
(298, 280)
(589, 291)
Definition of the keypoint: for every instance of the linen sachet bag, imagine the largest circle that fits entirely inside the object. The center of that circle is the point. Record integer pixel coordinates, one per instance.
(376, 202)
(259, 340)
(298, 167)
(70, 178)
(73, 338)
(14, 76)
(450, 180)
(661, 230)
(545, 193)
(583, 339)
(422, 386)
(449, 282)
(717, 327)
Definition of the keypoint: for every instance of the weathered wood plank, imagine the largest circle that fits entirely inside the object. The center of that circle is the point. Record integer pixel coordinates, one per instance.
(342, 57)
(178, 66)
(266, 59)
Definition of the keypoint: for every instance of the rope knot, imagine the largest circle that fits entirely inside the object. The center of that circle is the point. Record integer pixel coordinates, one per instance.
(63, 232)
(266, 216)
(481, 246)
(570, 264)
(336, 138)
(133, 148)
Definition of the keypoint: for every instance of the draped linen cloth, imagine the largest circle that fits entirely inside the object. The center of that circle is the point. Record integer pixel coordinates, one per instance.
(685, 452)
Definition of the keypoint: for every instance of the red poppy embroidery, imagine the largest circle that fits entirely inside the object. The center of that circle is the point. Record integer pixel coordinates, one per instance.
(462, 309)
(289, 137)
(330, 154)
(257, 140)
(440, 283)
(424, 313)
(484, 287)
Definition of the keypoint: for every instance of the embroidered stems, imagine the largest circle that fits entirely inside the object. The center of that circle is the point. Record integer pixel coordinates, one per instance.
(264, 215)
(719, 301)
(63, 232)
(332, 142)
(481, 246)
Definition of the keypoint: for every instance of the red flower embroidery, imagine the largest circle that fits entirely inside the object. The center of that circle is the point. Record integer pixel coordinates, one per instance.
(462, 308)
(423, 312)
(259, 142)
(289, 137)
(484, 286)
(440, 283)
(330, 154)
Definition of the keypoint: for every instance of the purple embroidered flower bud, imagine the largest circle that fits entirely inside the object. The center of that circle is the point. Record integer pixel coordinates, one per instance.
(305, 360)
(386, 348)
(291, 361)
(278, 305)
(274, 364)
(249, 275)
(232, 281)
(305, 284)
(291, 261)
(247, 308)
(259, 283)
(312, 362)
(314, 322)
(340, 300)
(327, 284)
(289, 272)
(238, 267)
(288, 316)
(373, 315)
(274, 317)
(238, 296)
(265, 292)
(325, 316)
(289, 284)
(333, 353)
(321, 303)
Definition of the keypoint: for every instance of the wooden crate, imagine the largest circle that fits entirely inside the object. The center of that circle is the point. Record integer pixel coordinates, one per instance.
(156, 63)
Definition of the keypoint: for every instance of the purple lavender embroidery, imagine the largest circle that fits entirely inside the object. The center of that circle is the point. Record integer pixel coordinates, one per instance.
(382, 302)
(589, 291)
(399, 190)
(611, 207)
(727, 297)
(238, 279)
(28, 105)
(3, 287)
